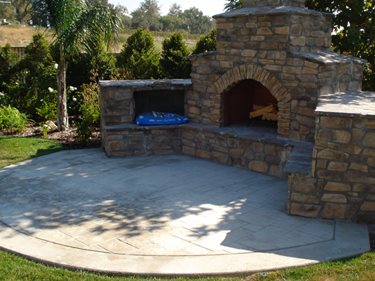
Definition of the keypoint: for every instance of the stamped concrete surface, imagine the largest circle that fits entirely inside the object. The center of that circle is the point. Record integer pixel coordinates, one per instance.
(160, 215)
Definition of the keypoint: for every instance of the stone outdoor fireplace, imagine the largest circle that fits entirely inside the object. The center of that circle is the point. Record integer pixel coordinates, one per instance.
(272, 98)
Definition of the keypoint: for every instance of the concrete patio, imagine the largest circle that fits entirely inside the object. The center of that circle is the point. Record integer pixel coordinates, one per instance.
(160, 215)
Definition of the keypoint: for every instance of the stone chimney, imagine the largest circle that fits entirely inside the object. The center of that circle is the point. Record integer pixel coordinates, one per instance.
(274, 3)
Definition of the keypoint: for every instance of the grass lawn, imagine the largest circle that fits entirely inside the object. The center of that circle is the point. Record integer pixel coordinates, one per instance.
(13, 150)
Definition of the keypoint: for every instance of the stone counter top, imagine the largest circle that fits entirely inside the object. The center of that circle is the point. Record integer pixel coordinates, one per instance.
(327, 57)
(160, 84)
(347, 103)
(267, 135)
(265, 11)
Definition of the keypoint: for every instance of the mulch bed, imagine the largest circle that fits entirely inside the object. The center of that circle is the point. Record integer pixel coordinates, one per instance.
(67, 138)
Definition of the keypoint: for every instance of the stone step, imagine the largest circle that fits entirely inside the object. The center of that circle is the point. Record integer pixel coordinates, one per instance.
(300, 159)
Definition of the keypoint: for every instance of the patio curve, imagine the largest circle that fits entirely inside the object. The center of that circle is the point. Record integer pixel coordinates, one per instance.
(160, 215)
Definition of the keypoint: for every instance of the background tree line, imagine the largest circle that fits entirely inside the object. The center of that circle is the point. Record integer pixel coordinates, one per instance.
(146, 16)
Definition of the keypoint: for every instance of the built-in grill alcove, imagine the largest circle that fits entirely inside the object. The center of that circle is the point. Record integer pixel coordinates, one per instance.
(249, 103)
(159, 100)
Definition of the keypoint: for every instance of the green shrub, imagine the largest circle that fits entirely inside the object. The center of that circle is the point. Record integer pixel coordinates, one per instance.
(11, 120)
(90, 112)
(29, 80)
(206, 43)
(139, 58)
(47, 111)
(175, 62)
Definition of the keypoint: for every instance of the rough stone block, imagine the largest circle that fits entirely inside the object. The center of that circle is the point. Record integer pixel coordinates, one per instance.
(358, 167)
(258, 166)
(304, 210)
(335, 122)
(338, 166)
(305, 198)
(334, 211)
(331, 154)
(337, 187)
(369, 139)
(368, 206)
(334, 198)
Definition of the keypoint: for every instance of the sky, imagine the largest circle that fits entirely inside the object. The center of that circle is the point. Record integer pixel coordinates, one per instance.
(208, 7)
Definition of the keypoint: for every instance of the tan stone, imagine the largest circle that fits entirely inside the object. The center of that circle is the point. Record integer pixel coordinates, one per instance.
(334, 198)
(358, 167)
(258, 166)
(369, 152)
(338, 166)
(298, 41)
(305, 198)
(257, 147)
(331, 154)
(334, 211)
(303, 184)
(369, 139)
(364, 188)
(337, 186)
(248, 53)
(202, 154)
(368, 206)
(353, 149)
(304, 210)
(335, 122)
(188, 150)
(264, 31)
(371, 162)
(282, 30)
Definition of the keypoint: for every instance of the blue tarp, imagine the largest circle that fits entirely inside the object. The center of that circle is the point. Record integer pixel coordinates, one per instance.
(160, 118)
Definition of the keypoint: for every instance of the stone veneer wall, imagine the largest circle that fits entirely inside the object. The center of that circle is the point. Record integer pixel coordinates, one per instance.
(257, 151)
(266, 156)
(342, 184)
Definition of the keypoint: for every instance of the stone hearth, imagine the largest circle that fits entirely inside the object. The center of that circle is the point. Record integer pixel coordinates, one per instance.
(269, 52)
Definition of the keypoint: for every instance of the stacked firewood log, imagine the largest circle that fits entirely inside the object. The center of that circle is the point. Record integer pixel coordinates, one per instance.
(266, 112)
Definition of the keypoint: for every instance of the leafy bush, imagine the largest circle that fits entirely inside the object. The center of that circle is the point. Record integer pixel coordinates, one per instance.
(29, 80)
(90, 112)
(206, 43)
(11, 120)
(139, 58)
(175, 62)
(47, 111)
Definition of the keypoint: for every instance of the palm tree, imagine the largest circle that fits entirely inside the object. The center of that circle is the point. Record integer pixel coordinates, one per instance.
(75, 25)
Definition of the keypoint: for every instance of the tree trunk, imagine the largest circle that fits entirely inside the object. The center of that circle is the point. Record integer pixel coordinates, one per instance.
(62, 109)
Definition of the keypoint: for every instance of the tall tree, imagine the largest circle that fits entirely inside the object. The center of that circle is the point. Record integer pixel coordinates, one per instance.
(7, 10)
(354, 26)
(147, 15)
(22, 9)
(75, 23)
(233, 4)
(175, 10)
(196, 21)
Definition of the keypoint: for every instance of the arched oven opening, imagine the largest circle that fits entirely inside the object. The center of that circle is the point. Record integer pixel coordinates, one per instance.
(249, 103)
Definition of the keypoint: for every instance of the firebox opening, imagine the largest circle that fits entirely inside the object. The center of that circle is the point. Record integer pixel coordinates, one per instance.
(171, 101)
(250, 103)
